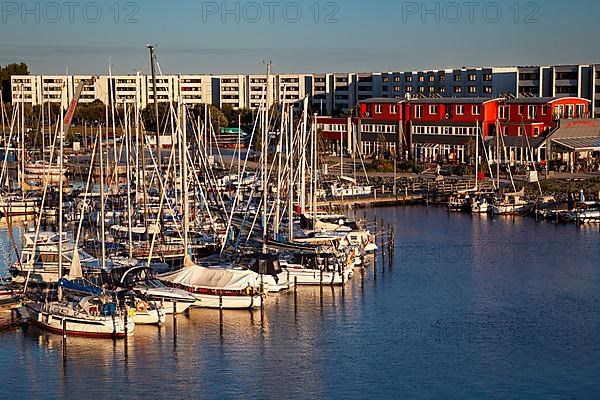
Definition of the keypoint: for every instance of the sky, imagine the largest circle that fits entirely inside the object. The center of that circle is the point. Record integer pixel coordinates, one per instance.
(197, 36)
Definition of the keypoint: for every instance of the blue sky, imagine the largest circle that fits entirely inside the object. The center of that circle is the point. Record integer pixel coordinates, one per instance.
(380, 35)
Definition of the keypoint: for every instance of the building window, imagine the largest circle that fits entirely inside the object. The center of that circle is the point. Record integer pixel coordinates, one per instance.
(520, 110)
(431, 78)
(378, 109)
(536, 131)
(393, 109)
(460, 110)
(431, 89)
(457, 89)
(421, 78)
(397, 78)
(409, 88)
(476, 110)
(397, 88)
(472, 77)
(488, 77)
(544, 110)
(442, 89)
(487, 89)
(503, 112)
(408, 78)
(433, 110)
(580, 111)
(418, 111)
(521, 130)
(421, 89)
(472, 89)
(532, 112)
(443, 78)
(457, 77)
(559, 111)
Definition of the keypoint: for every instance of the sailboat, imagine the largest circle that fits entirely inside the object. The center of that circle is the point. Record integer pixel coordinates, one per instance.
(95, 315)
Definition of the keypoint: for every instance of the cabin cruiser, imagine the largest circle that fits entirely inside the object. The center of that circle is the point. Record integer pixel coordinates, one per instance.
(513, 204)
(217, 287)
(39, 259)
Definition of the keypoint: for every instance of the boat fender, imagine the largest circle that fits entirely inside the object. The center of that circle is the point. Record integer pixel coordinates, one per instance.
(141, 306)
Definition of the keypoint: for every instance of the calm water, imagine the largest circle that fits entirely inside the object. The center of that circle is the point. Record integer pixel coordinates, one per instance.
(473, 308)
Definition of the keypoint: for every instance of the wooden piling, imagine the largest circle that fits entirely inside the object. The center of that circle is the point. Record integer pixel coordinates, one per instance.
(64, 341)
(174, 323)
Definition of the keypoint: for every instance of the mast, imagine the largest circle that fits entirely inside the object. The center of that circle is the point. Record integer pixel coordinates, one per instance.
(155, 95)
(114, 129)
(279, 151)
(303, 158)
(265, 136)
(23, 141)
(127, 165)
(290, 151)
(60, 207)
(498, 133)
(477, 157)
(102, 228)
(183, 157)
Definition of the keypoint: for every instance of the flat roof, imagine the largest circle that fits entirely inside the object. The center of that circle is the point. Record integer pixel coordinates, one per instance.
(453, 100)
(379, 100)
(540, 100)
(579, 144)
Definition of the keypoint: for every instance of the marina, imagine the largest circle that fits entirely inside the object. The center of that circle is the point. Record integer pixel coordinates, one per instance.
(341, 200)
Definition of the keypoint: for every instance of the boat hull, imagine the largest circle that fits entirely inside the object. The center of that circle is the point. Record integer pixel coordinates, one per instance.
(238, 302)
(93, 327)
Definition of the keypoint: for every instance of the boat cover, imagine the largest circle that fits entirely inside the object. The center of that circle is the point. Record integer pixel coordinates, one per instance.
(196, 276)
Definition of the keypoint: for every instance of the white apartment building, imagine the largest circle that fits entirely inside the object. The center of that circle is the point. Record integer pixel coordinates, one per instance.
(331, 93)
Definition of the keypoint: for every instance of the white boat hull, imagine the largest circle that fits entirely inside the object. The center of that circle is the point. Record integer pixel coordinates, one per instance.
(51, 318)
(227, 302)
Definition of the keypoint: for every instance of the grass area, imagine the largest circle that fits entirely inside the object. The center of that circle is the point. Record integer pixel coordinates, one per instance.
(590, 186)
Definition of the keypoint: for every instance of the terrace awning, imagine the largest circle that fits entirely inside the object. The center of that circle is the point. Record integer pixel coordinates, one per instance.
(579, 144)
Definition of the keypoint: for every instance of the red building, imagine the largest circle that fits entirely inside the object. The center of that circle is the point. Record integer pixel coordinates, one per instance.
(441, 129)
(381, 126)
(335, 132)
(535, 116)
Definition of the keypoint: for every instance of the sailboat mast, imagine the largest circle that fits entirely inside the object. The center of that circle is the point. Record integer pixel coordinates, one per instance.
(184, 177)
(102, 227)
(303, 158)
(265, 137)
(290, 151)
(60, 199)
(127, 165)
(23, 141)
(477, 156)
(155, 95)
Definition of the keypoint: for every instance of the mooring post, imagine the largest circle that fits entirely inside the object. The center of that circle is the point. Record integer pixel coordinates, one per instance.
(375, 262)
(221, 315)
(343, 283)
(174, 323)
(125, 319)
(64, 341)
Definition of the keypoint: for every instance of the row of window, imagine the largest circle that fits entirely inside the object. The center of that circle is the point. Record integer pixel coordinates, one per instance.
(373, 128)
(444, 130)
(440, 78)
(458, 109)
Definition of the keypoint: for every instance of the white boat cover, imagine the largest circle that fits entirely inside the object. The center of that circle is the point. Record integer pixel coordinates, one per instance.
(219, 278)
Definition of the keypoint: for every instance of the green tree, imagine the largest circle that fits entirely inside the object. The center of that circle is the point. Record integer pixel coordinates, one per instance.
(6, 73)
(217, 117)
(149, 118)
